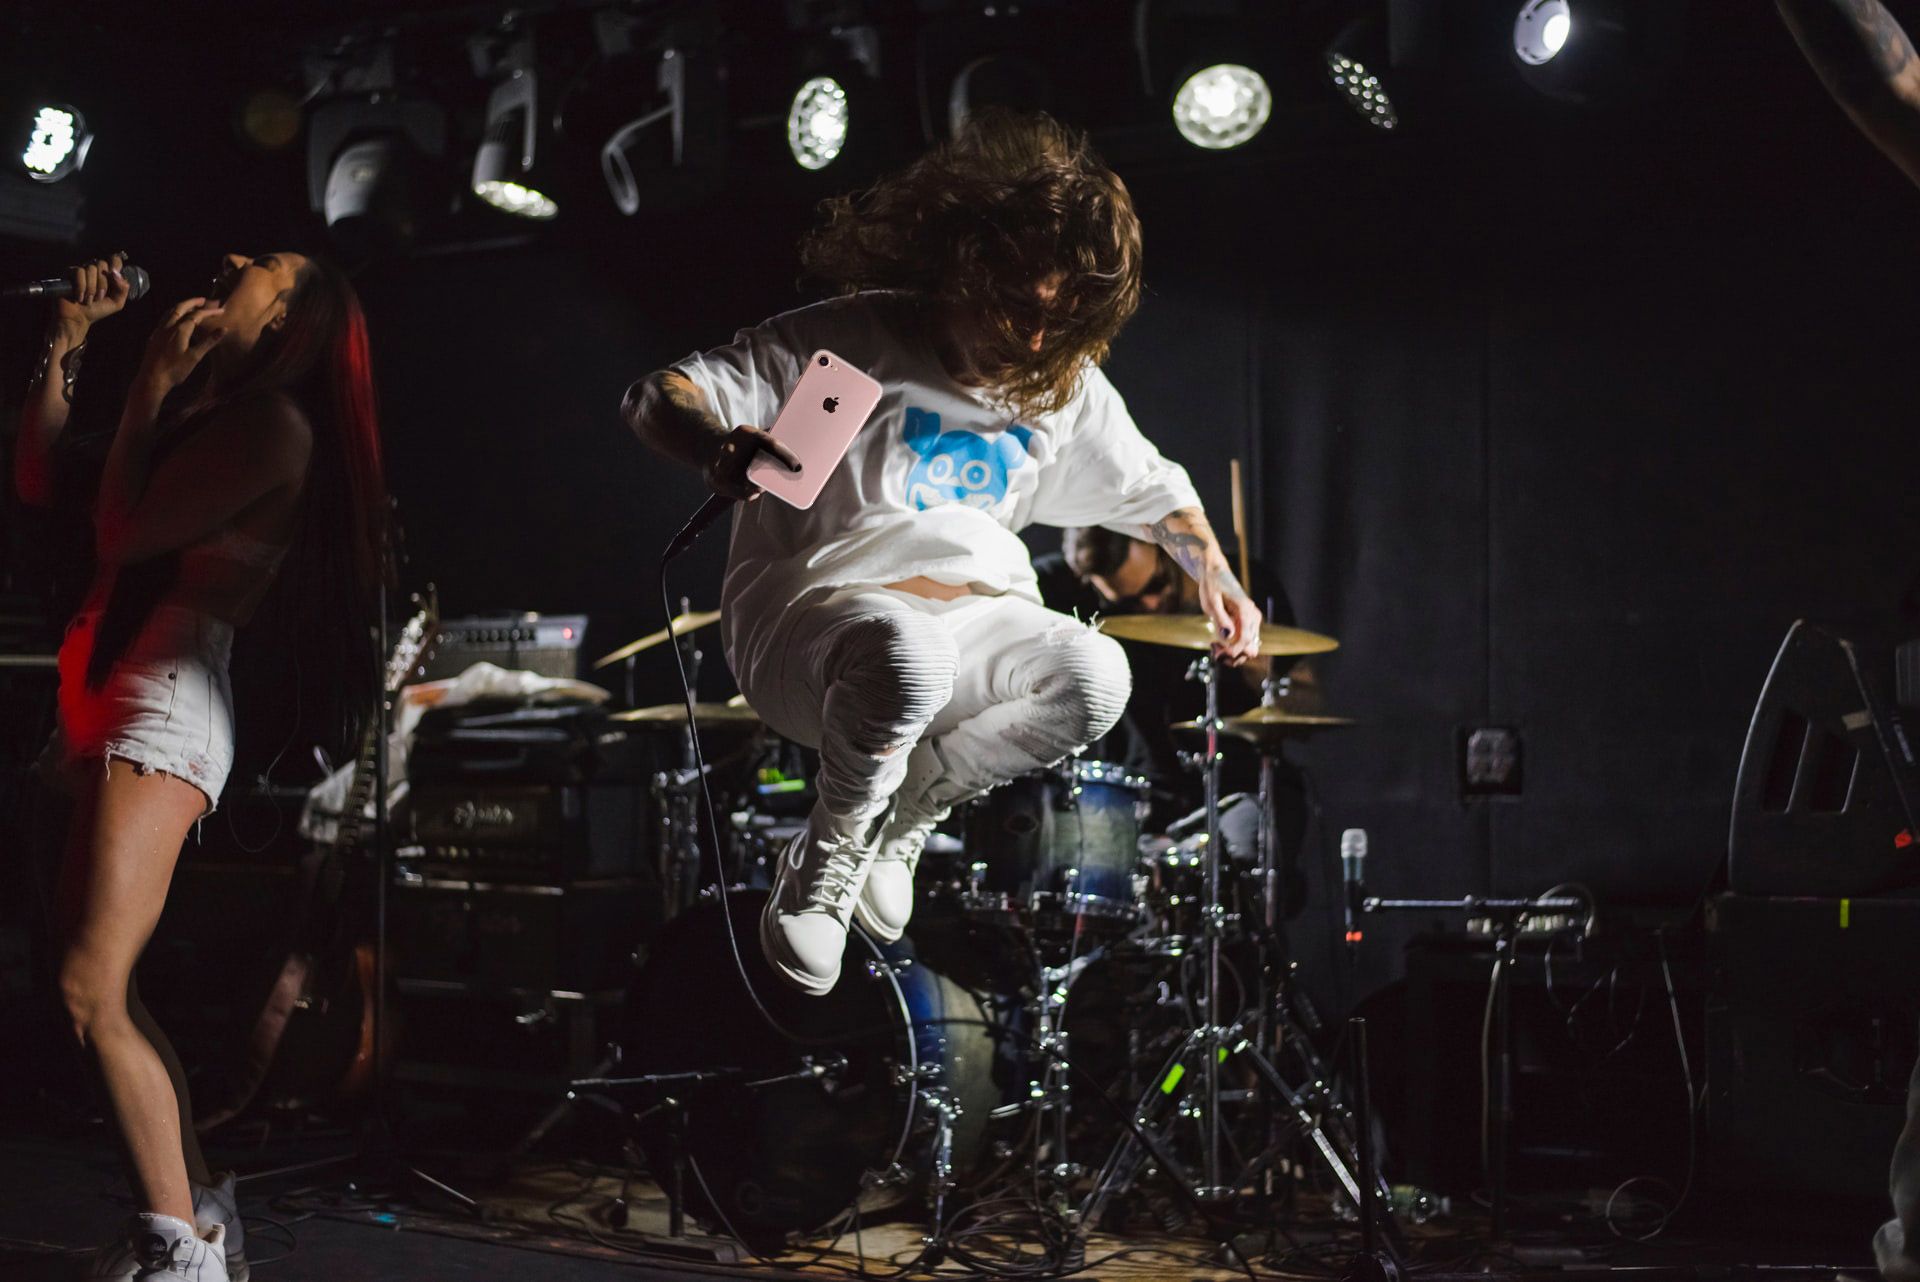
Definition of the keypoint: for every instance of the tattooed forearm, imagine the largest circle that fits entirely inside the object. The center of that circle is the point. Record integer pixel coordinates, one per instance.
(1188, 538)
(1858, 49)
(667, 412)
(1185, 535)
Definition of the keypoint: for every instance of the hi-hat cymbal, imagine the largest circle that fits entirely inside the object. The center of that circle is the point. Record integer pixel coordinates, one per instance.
(704, 714)
(1269, 725)
(680, 626)
(1195, 632)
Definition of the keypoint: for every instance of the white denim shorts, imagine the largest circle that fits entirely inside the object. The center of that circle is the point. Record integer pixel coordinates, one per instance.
(166, 704)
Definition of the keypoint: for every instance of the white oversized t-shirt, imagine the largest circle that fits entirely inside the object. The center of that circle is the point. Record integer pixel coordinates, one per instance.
(938, 483)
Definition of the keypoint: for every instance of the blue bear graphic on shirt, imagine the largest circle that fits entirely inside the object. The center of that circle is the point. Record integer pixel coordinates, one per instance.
(960, 466)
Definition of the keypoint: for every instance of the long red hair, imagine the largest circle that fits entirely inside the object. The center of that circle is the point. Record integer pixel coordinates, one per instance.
(327, 602)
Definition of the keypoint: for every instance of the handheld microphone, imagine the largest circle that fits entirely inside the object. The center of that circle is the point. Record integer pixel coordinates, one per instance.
(138, 283)
(1353, 879)
(709, 512)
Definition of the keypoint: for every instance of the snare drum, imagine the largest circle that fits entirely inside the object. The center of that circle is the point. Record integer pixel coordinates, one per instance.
(1057, 849)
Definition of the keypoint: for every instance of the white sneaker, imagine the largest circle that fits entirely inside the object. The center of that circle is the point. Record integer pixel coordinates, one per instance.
(160, 1248)
(803, 928)
(219, 1204)
(886, 901)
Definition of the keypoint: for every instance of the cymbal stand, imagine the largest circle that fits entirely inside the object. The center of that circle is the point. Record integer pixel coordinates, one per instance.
(1312, 1110)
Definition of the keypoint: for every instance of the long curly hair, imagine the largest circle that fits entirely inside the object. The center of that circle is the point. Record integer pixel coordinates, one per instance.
(977, 225)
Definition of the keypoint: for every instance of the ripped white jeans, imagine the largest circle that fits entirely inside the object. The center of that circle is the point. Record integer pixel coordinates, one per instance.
(927, 703)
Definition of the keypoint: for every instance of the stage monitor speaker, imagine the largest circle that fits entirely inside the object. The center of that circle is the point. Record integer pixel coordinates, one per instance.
(1829, 787)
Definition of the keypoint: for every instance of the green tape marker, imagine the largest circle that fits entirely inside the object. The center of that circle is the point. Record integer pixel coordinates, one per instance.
(1172, 1078)
(1846, 913)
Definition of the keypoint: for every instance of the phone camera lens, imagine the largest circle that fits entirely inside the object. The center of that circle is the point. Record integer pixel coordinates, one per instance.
(823, 360)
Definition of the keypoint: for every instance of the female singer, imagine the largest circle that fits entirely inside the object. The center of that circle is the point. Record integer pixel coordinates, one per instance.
(248, 439)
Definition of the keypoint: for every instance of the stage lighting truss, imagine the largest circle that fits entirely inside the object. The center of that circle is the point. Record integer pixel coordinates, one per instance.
(1362, 90)
(1541, 29)
(56, 143)
(503, 165)
(1222, 106)
(817, 122)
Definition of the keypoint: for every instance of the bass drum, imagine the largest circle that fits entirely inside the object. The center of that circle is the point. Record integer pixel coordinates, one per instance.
(900, 1047)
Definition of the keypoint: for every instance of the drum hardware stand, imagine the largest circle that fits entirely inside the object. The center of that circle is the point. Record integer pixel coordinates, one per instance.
(1507, 914)
(1252, 1037)
(673, 1181)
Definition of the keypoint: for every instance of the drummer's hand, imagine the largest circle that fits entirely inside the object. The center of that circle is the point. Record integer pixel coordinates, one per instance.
(727, 469)
(1236, 619)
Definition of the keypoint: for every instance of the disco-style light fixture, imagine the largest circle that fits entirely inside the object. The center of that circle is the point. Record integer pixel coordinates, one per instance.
(817, 123)
(1540, 30)
(1362, 90)
(56, 143)
(503, 166)
(1222, 106)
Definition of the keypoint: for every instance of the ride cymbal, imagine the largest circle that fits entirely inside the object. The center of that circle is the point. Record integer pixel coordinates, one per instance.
(704, 714)
(678, 627)
(1195, 632)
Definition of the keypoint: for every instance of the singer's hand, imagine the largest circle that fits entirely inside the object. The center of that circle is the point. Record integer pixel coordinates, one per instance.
(727, 470)
(99, 290)
(184, 338)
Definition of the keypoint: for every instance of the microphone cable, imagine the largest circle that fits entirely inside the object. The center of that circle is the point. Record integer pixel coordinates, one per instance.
(680, 543)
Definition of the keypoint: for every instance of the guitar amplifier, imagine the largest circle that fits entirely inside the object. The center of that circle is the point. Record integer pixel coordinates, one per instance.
(556, 834)
(492, 937)
(547, 644)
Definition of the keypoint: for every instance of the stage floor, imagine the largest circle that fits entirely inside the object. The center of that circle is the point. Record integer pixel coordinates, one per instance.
(551, 1219)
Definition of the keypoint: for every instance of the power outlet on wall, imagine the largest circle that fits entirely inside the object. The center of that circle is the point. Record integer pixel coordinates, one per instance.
(1489, 761)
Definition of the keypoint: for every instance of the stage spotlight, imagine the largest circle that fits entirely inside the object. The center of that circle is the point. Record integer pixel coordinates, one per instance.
(371, 167)
(1363, 91)
(673, 153)
(1599, 52)
(370, 181)
(1222, 106)
(503, 166)
(817, 123)
(1541, 29)
(56, 145)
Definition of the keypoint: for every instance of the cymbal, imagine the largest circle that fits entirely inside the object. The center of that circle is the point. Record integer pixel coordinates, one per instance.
(678, 627)
(1269, 725)
(704, 714)
(1195, 632)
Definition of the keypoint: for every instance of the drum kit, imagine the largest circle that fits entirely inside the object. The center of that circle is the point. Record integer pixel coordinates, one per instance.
(1107, 1013)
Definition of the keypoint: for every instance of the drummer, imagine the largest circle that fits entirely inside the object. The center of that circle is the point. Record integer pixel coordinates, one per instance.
(1099, 571)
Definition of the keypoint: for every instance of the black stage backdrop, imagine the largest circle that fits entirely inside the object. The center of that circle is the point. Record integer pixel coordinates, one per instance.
(1556, 419)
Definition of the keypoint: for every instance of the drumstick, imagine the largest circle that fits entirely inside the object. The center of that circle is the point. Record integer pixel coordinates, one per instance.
(1239, 520)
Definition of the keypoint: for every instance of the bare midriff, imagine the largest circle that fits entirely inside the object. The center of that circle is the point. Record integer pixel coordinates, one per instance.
(921, 585)
(212, 584)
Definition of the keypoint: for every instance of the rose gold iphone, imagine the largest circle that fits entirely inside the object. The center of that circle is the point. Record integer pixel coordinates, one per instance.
(824, 412)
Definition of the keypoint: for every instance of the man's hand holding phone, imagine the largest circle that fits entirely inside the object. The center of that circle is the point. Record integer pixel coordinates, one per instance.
(726, 471)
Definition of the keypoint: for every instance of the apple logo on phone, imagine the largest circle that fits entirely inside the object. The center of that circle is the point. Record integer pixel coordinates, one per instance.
(831, 404)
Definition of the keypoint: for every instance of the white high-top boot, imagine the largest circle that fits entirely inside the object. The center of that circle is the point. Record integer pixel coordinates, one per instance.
(160, 1248)
(219, 1204)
